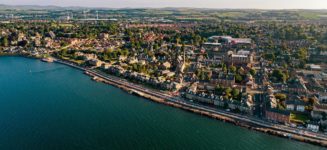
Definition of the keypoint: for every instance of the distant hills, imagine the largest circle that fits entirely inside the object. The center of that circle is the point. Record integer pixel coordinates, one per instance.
(51, 7)
(171, 13)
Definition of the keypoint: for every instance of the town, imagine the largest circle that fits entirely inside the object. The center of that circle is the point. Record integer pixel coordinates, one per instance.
(272, 70)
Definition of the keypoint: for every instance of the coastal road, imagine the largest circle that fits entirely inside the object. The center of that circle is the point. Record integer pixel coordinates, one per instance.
(178, 100)
(187, 103)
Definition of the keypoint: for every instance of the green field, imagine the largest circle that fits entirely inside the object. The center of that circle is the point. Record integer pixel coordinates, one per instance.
(299, 118)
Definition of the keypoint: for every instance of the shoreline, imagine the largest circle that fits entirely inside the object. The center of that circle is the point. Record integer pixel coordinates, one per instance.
(194, 109)
(225, 118)
(216, 116)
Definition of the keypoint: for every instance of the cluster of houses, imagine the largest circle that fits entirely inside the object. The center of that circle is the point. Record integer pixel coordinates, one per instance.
(306, 96)
(309, 83)
(221, 50)
(197, 93)
(157, 82)
(194, 69)
(50, 41)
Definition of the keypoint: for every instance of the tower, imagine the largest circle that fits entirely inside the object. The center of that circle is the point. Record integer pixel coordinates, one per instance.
(72, 16)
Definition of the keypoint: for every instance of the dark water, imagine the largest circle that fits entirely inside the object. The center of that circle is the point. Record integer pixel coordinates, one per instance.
(52, 106)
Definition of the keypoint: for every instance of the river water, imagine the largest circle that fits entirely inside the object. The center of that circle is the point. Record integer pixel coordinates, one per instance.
(53, 106)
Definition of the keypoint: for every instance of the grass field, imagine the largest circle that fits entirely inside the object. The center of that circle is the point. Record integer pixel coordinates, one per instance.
(299, 118)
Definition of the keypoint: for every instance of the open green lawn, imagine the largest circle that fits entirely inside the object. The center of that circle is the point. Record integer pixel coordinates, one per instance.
(299, 118)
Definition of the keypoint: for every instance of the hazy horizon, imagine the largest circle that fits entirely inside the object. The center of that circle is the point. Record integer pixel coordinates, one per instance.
(219, 4)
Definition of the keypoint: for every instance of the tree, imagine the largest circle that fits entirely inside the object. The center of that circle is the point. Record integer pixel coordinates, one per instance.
(235, 93)
(253, 71)
(241, 71)
(312, 100)
(22, 43)
(280, 96)
(202, 76)
(270, 56)
(279, 75)
(219, 89)
(64, 52)
(4, 42)
(224, 68)
(324, 116)
(232, 69)
(228, 92)
(238, 78)
(302, 54)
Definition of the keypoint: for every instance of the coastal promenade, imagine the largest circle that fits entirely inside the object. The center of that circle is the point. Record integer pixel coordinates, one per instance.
(246, 121)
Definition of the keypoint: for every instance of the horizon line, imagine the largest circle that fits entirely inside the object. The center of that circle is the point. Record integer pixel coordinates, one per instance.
(95, 7)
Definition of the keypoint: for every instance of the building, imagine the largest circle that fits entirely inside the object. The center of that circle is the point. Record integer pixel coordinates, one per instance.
(212, 46)
(230, 40)
(313, 127)
(95, 62)
(105, 66)
(277, 115)
(323, 97)
(241, 41)
(201, 97)
(298, 86)
(295, 105)
(52, 35)
(240, 58)
(243, 106)
(165, 65)
(225, 80)
(314, 67)
(319, 111)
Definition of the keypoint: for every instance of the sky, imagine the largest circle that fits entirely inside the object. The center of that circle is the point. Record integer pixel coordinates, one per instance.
(257, 4)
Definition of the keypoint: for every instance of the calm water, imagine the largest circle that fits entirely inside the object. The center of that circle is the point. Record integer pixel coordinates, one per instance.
(52, 106)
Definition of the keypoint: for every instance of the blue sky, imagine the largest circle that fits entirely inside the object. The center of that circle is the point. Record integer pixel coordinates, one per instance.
(260, 4)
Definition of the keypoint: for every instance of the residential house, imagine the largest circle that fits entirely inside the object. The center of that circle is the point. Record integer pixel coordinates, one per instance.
(226, 80)
(298, 86)
(165, 65)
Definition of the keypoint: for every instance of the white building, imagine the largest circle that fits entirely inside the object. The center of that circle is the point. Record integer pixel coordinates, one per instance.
(312, 127)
